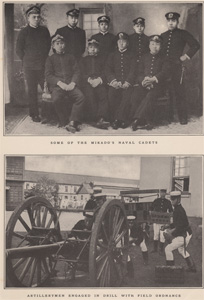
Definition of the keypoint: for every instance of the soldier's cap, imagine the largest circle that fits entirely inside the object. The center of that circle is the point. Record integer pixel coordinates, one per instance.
(100, 195)
(73, 12)
(104, 18)
(93, 42)
(139, 20)
(175, 194)
(172, 16)
(33, 10)
(56, 37)
(122, 36)
(155, 38)
(131, 217)
(162, 190)
(97, 189)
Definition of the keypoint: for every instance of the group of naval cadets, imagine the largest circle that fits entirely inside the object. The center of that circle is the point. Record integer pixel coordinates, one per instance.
(117, 83)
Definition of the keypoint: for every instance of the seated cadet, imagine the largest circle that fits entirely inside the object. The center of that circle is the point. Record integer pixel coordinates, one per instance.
(62, 75)
(104, 37)
(119, 73)
(93, 86)
(139, 42)
(153, 71)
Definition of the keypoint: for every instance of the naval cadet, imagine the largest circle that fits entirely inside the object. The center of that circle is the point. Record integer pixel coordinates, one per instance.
(139, 42)
(174, 43)
(32, 47)
(106, 40)
(74, 37)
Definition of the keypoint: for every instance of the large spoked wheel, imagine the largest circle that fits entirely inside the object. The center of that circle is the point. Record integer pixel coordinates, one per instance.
(109, 245)
(33, 223)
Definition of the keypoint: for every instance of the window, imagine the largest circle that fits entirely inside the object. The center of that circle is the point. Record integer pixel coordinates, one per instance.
(66, 188)
(27, 186)
(75, 189)
(82, 197)
(181, 179)
(89, 20)
(65, 197)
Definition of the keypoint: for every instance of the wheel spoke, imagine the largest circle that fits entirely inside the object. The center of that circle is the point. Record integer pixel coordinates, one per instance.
(104, 231)
(115, 219)
(18, 235)
(100, 244)
(50, 221)
(25, 269)
(44, 265)
(38, 271)
(30, 214)
(118, 227)
(44, 217)
(32, 272)
(104, 275)
(27, 228)
(101, 256)
(102, 268)
(120, 236)
(38, 216)
(18, 263)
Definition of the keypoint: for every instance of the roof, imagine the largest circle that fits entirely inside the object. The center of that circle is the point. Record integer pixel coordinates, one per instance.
(75, 179)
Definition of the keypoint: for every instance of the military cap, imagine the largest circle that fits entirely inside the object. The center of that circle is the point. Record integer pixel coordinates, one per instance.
(122, 36)
(162, 190)
(175, 194)
(131, 217)
(156, 38)
(73, 12)
(97, 189)
(139, 20)
(33, 10)
(103, 19)
(93, 42)
(172, 15)
(56, 37)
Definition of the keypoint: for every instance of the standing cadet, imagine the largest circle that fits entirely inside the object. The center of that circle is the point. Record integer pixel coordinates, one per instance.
(119, 71)
(104, 37)
(174, 42)
(160, 205)
(180, 233)
(32, 47)
(139, 42)
(153, 71)
(75, 37)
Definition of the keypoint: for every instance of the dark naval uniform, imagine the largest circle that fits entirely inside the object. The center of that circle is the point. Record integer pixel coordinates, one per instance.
(120, 66)
(96, 98)
(139, 45)
(174, 43)
(63, 67)
(142, 99)
(32, 47)
(180, 222)
(75, 40)
(107, 43)
(161, 205)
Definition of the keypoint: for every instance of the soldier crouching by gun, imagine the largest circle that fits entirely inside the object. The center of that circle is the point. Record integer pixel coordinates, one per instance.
(179, 233)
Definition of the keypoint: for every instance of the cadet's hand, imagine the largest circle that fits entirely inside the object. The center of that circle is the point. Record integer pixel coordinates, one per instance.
(71, 86)
(114, 84)
(96, 82)
(62, 85)
(125, 85)
(184, 57)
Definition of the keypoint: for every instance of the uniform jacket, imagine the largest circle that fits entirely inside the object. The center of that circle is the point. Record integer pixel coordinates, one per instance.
(92, 66)
(61, 67)
(107, 42)
(139, 45)
(175, 41)
(137, 233)
(32, 47)
(153, 65)
(120, 66)
(161, 205)
(75, 40)
(180, 222)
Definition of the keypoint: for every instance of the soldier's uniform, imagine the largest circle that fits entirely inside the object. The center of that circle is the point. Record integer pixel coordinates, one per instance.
(139, 43)
(143, 98)
(92, 67)
(120, 67)
(106, 40)
(160, 205)
(74, 37)
(32, 47)
(182, 233)
(64, 68)
(174, 42)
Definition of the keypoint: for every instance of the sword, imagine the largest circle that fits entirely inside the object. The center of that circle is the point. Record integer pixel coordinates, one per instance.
(182, 73)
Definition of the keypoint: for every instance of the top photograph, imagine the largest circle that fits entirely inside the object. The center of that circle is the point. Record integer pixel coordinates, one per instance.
(94, 68)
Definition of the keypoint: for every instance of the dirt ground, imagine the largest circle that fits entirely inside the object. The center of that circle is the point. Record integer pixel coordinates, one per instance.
(144, 276)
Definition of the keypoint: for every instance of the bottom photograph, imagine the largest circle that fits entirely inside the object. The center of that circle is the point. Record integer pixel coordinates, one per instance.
(103, 221)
